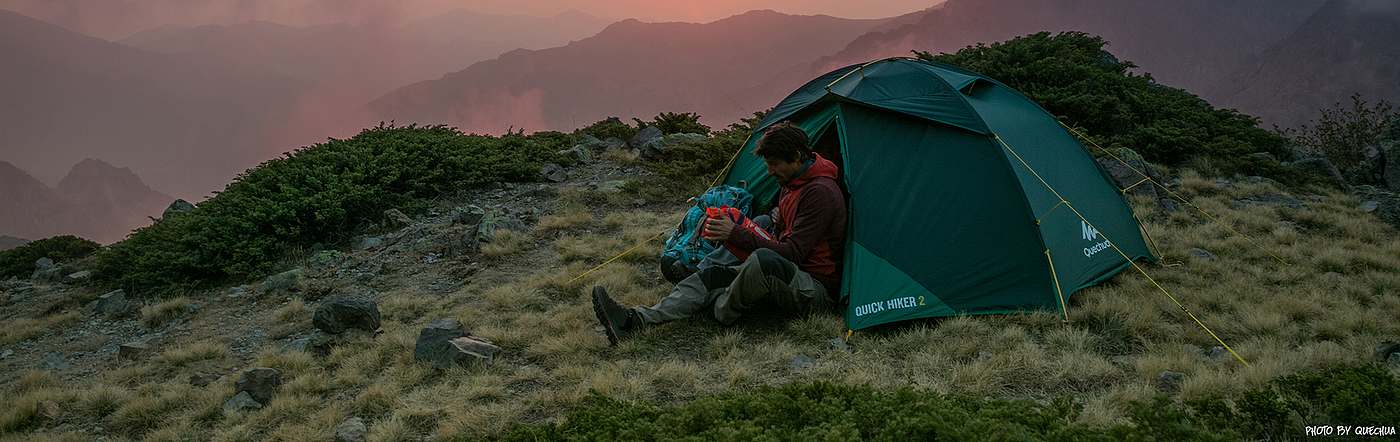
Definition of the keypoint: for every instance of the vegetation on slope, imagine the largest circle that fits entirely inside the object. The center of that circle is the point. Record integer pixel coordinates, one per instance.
(19, 262)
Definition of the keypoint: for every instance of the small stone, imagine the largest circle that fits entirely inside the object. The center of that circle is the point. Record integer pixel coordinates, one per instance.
(1218, 353)
(1369, 206)
(983, 355)
(200, 379)
(259, 383)
(433, 346)
(800, 362)
(838, 344)
(43, 263)
(470, 215)
(396, 215)
(55, 362)
(1202, 254)
(352, 430)
(1171, 382)
(553, 172)
(639, 202)
(131, 350)
(242, 401)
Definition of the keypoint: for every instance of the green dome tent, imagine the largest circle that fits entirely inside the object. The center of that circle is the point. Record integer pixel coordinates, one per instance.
(957, 188)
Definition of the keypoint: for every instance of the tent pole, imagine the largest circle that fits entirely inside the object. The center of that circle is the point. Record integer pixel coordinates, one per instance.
(1064, 311)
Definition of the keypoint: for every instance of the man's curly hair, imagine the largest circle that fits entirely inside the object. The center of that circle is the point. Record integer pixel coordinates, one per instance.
(783, 141)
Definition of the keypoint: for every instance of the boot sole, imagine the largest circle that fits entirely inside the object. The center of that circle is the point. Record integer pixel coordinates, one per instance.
(609, 328)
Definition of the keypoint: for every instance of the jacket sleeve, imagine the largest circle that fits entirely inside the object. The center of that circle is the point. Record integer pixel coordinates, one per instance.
(816, 206)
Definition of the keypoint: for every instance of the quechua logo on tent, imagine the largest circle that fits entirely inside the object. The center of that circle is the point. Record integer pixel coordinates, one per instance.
(1090, 234)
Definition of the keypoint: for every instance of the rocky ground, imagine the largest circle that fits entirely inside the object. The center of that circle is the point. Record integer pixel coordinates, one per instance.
(432, 255)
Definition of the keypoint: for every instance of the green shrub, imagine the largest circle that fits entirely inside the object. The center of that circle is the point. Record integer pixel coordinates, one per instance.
(1342, 134)
(19, 262)
(325, 194)
(1076, 80)
(692, 166)
(673, 123)
(1345, 395)
(609, 127)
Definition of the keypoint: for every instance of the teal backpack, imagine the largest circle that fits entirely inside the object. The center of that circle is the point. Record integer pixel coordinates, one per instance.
(685, 249)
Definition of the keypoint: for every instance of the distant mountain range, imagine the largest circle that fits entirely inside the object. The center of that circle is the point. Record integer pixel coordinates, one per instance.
(95, 200)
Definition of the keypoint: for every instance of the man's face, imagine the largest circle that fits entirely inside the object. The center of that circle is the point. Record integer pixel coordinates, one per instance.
(782, 170)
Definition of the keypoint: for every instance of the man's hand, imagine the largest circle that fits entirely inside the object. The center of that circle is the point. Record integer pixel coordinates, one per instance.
(718, 228)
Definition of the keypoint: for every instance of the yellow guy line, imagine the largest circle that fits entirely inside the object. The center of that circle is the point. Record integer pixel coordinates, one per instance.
(712, 184)
(1063, 309)
(1120, 251)
(1179, 197)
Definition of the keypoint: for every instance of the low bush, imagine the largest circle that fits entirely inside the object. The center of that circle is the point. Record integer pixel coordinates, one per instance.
(324, 194)
(19, 262)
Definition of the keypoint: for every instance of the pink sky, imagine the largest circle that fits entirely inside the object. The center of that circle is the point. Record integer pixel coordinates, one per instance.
(118, 19)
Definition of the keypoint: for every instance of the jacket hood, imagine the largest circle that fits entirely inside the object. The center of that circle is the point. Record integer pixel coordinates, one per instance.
(818, 167)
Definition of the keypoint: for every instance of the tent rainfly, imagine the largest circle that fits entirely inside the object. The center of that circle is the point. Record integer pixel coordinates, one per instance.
(965, 196)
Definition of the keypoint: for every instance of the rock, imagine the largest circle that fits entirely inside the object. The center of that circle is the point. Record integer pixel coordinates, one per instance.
(800, 362)
(52, 274)
(131, 350)
(176, 208)
(327, 258)
(639, 202)
(578, 153)
(1318, 165)
(338, 313)
(1130, 175)
(553, 173)
(48, 410)
(1202, 254)
(838, 344)
(984, 355)
(201, 380)
(259, 383)
(368, 242)
(1171, 382)
(108, 303)
(242, 401)
(55, 362)
(611, 186)
(6, 354)
(1369, 206)
(283, 281)
(470, 215)
(615, 143)
(1219, 353)
(433, 346)
(1385, 352)
(43, 263)
(352, 430)
(657, 148)
(396, 216)
(74, 277)
(592, 143)
(469, 351)
(644, 136)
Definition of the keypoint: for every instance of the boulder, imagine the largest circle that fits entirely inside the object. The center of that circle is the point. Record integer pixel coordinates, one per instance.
(1128, 173)
(433, 342)
(615, 143)
(352, 430)
(1318, 165)
(657, 148)
(553, 173)
(1170, 382)
(799, 363)
(283, 281)
(1385, 352)
(644, 136)
(339, 312)
(110, 302)
(368, 242)
(470, 215)
(176, 208)
(242, 401)
(73, 278)
(43, 263)
(259, 383)
(469, 351)
(592, 143)
(52, 274)
(131, 350)
(578, 153)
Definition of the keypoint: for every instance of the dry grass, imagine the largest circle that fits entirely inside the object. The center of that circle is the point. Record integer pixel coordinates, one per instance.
(1334, 300)
(164, 312)
(23, 329)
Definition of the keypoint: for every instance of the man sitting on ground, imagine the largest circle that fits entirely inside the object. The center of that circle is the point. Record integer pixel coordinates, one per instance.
(810, 228)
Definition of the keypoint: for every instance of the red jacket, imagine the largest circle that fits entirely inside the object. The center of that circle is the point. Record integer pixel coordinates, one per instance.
(810, 227)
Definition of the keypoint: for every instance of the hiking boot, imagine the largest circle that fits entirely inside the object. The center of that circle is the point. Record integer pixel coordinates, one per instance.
(674, 270)
(618, 321)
